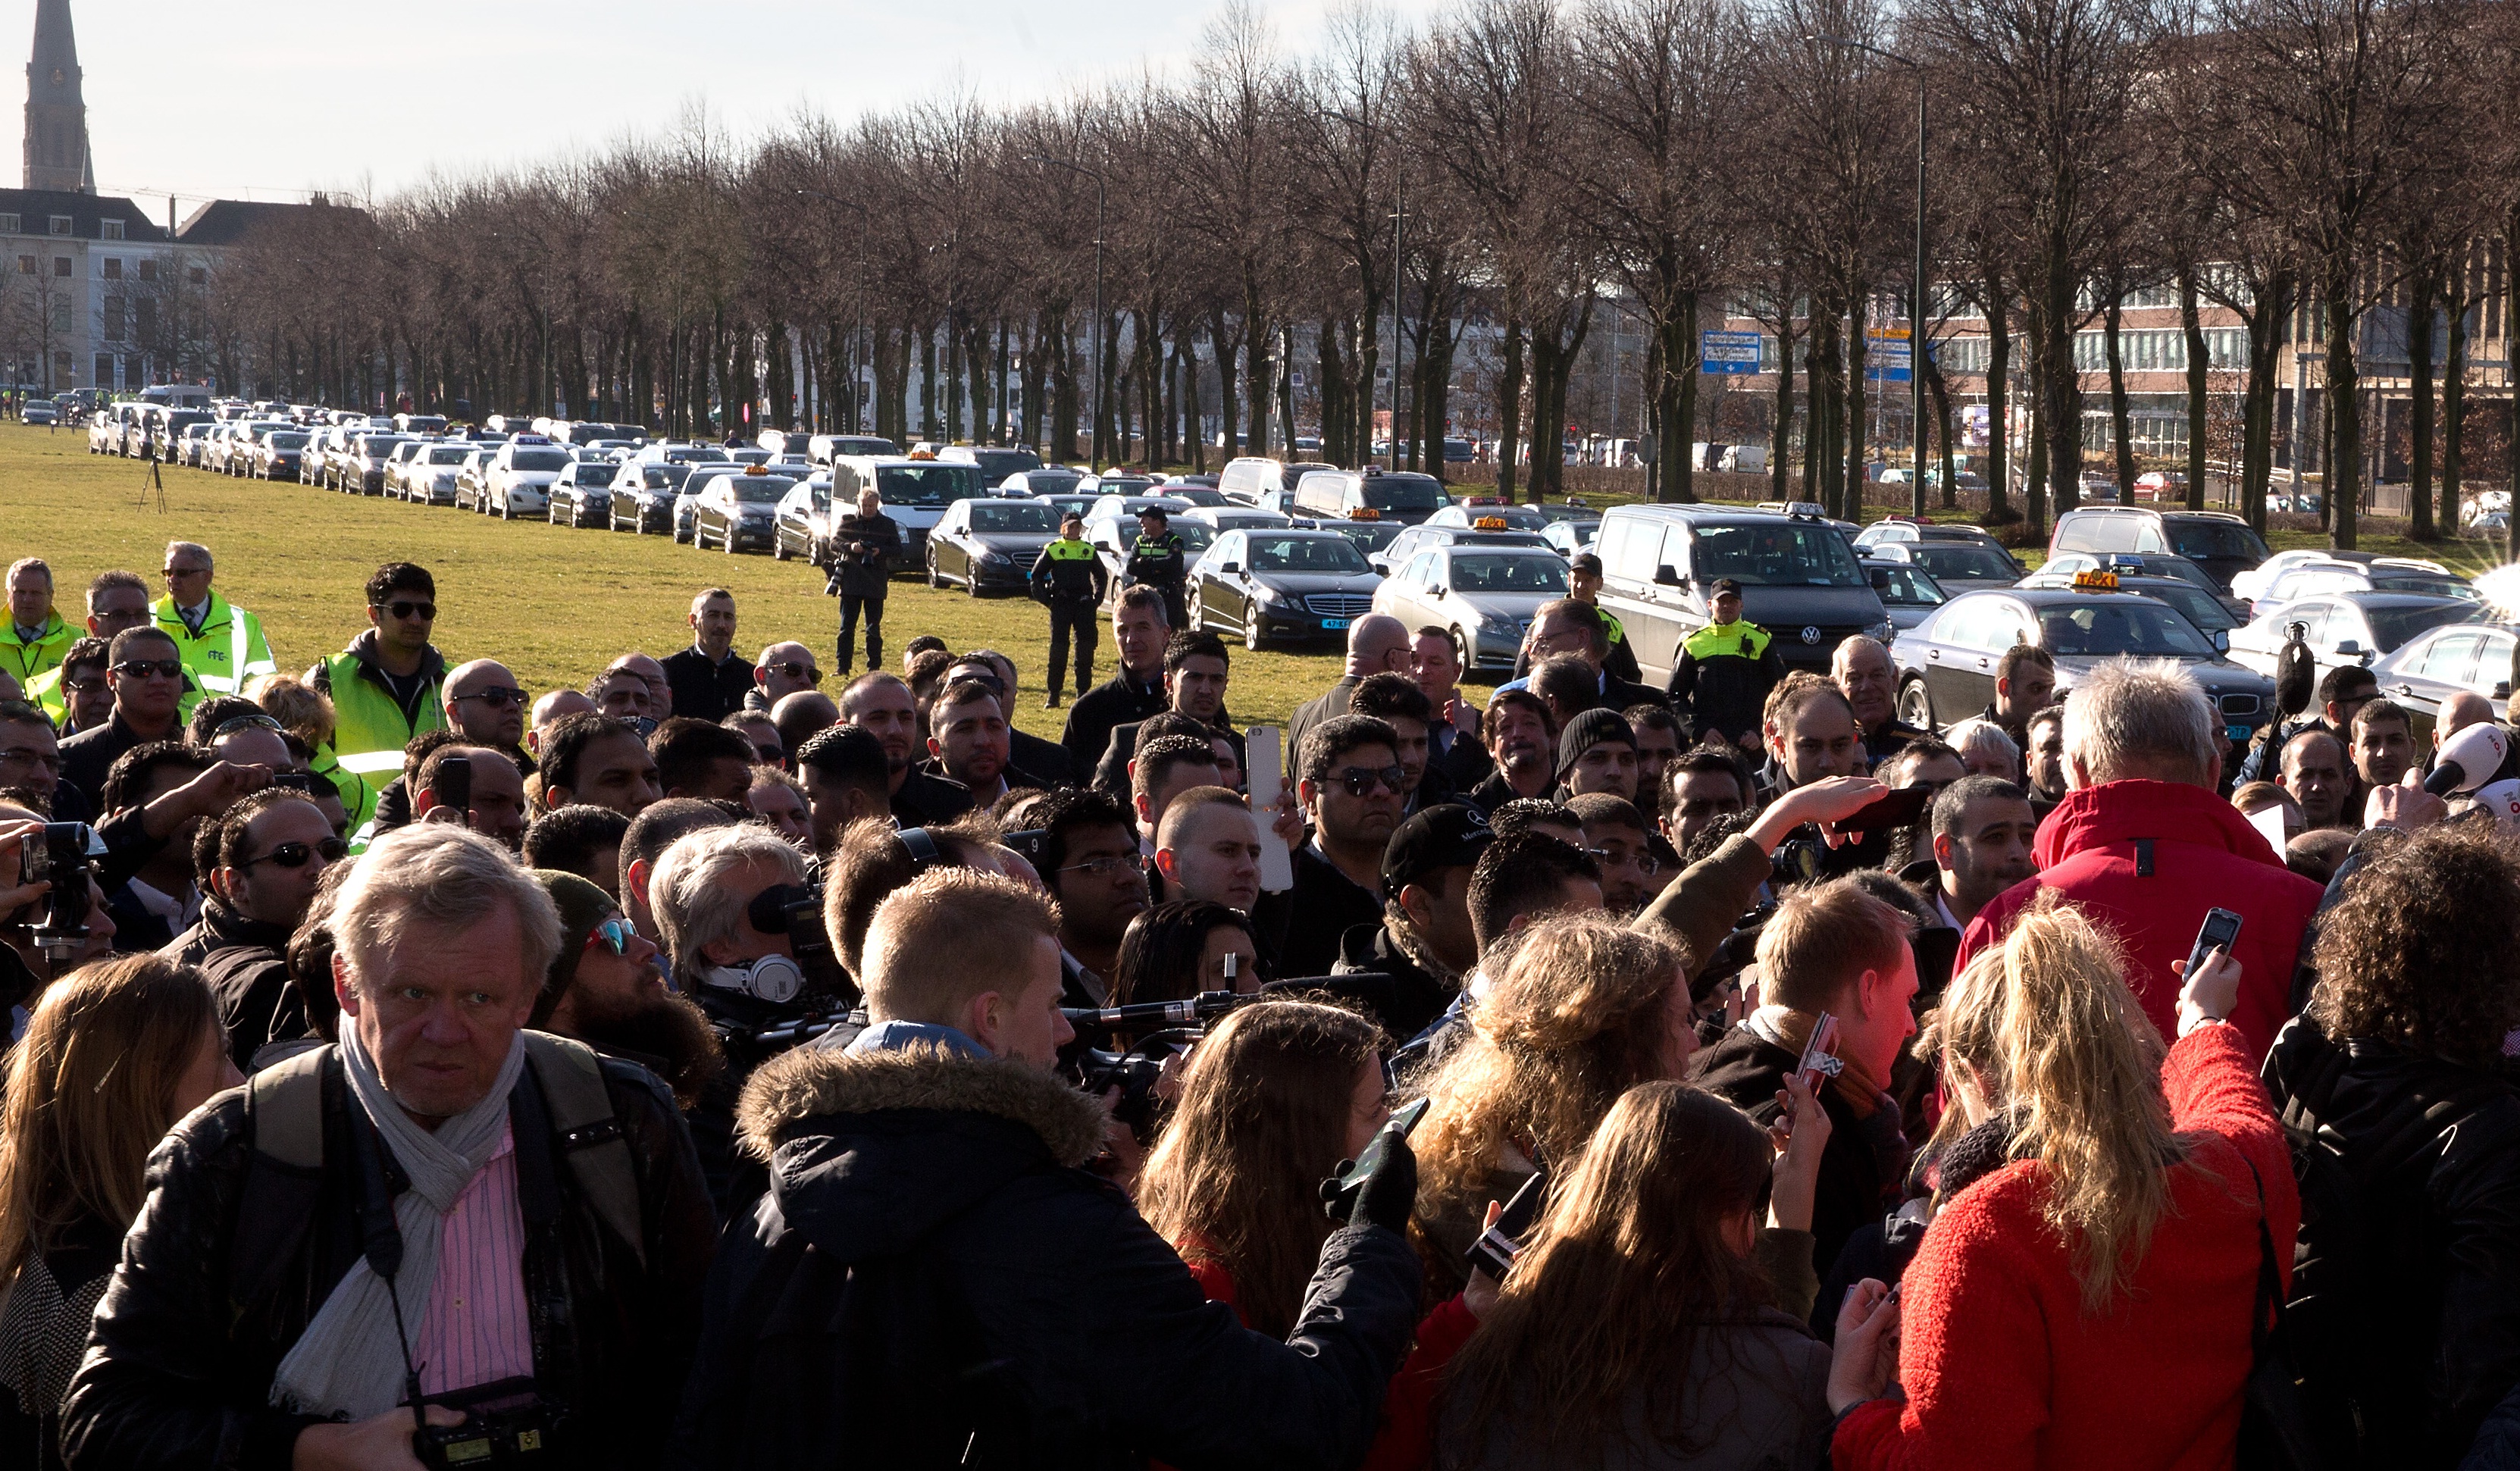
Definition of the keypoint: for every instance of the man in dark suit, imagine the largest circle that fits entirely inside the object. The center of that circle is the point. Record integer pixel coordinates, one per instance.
(1377, 643)
(709, 680)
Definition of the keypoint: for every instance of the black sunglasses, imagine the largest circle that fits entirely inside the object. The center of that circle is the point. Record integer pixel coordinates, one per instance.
(796, 671)
(1360, 780)
(295, 854)
(497, 695)
(245, 722)
(141, 669)
(405, 609)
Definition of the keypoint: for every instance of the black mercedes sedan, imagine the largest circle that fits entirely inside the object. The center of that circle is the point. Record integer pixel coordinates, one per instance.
(988, 546)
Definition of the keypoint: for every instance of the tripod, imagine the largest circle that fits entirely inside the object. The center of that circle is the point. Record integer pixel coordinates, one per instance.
(152, 480)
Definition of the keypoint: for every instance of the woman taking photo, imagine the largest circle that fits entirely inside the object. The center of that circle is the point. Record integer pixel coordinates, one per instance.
(117, 1052)
(1271, 1101)
(1175, 951)
(1634, 1328)
(2086, 1293)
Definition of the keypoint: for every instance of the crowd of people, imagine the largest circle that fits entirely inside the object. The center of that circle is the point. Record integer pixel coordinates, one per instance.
(703, 1068)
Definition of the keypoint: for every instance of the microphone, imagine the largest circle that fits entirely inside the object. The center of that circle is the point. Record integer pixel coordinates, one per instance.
(2469, 759)
(1205, 1006)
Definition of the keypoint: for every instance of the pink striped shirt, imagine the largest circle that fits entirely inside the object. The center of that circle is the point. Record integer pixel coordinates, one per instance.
(477, 1330)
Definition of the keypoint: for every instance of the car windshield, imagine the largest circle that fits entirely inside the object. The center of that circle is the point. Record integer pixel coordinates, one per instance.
(759, 490)
(2207, 540)
(452, 456)
(934, 484)
(1907, 587)
(1050, 481)
(1328, 555)
(997, 465)
(2392, 626)
(297, 442)
(2438, 587)
(1771, 554)
(1367, 536)
(1564, 512)
(666, 476)
(539, 460)
(1491, 572)
(1403, 492)
(379, 446)
(2120, 625)
(1962, 562)
(1198, 495)
(1516, 518)
(702, 455)
(2202, 609)
(1015, 515)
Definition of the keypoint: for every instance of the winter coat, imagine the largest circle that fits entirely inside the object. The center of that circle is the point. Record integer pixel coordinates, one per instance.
(205, 1305)
(2147, 859)
(2405, 1289)
(931, 1272)
(2004, 1368)
(866, 572)
(1860, 1169)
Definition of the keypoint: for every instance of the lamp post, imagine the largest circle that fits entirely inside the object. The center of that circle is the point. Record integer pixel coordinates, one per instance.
(857, 332)
(1101, 192)
(1916, 295)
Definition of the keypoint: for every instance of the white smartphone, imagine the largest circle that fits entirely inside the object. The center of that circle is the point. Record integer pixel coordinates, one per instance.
(1264, 767)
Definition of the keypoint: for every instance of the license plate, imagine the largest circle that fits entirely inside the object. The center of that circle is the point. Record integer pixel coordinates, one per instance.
(2236, 732)
(1333, 624)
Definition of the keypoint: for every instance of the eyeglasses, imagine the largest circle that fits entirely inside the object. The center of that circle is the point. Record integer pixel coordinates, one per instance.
(614, 934)
(496, 694)
(295, 854)
(90, 686)
(30, 756)
(405, 609)
(1107, 864)
(141, 669)
(172, 573)
(1642, 858)
(793, 670)
(1360, 780)
(245, 722)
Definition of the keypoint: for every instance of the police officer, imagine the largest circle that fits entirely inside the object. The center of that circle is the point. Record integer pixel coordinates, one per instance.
(221, 645)
(1584, 585)
(1159, 559)
(1068, 576)
(1725, 670)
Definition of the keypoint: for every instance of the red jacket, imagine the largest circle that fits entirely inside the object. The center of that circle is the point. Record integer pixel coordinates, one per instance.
(2203, 855)
(2003, 1367)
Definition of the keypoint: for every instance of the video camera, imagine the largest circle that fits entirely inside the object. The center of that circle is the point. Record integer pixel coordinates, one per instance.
(63, 855)
(1156, 1030)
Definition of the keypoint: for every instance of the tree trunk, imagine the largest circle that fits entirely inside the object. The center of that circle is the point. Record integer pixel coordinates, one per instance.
(1940, 388)
(1255, 363)
(1286, 377)
(2422, 287)
(1820, 345)
(1678, 406)
(1510, 408)
(2453, 462)
(1851, 504)
(2200, 409)
(1998, 403)
(1338, 413)
(1781, 435)
(1193, 424)
(2344, 385)
(2035, 482)
(1223, 341)
(2121, 421)
(1433, 392)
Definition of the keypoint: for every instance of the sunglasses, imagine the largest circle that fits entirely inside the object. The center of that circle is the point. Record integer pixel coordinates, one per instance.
(1360, 780)
(173, 572)
(406, 609)
(295, 854)
(497, 695)
(614, 934)
(796, 671)
(141, 669)
(245, 722)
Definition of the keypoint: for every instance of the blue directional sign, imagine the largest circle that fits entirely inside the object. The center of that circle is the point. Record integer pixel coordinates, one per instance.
(1728, 352)
(1885, 354)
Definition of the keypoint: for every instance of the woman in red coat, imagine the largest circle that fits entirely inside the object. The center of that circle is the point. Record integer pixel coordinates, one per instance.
(2084, 1294)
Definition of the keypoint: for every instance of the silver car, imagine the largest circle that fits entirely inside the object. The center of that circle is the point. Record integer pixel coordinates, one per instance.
(1483, 594)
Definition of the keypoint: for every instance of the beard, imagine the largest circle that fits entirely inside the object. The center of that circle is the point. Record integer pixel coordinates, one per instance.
(670, 1029)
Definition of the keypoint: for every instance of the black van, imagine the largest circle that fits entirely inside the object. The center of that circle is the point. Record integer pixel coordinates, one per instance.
(1800, 581)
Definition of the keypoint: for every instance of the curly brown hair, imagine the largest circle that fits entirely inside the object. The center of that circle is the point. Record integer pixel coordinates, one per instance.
(2420, 950)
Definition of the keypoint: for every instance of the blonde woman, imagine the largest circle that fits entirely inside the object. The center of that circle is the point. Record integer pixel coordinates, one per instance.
(2084, 1295)
(116, 1054)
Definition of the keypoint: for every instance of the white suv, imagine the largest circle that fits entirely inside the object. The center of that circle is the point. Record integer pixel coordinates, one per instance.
(519, 479)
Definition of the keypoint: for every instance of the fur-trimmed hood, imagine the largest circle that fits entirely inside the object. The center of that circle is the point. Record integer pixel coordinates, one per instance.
(867, 1150)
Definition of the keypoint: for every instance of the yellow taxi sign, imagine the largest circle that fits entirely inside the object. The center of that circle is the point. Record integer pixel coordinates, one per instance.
(922, 454)
(756, 469)
(2095, 582)
(1363, 514)
(1488, 523)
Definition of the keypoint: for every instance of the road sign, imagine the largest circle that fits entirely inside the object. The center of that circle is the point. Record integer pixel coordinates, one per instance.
(1885, 354)
(1728, 352)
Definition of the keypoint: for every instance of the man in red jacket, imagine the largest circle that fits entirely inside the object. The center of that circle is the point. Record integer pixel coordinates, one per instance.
(2143, 845)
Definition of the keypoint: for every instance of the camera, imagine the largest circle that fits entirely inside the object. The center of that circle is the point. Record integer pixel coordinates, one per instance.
(65, 855)
(505, 1424)
(1157, 1030)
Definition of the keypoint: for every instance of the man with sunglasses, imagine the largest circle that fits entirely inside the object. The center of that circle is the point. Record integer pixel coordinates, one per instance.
(221, 644)
(146, 672)
(387, 686)
(709, 680)
(784, 670)
(262, 865)
(1351, 788)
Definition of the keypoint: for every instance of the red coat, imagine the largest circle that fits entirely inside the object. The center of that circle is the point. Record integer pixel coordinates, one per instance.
(2204, 855)
(2004, 1371)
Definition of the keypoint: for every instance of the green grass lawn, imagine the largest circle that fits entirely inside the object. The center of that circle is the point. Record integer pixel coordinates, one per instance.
(555, 604)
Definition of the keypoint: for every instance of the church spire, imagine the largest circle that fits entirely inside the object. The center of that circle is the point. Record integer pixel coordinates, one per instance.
(56, 148)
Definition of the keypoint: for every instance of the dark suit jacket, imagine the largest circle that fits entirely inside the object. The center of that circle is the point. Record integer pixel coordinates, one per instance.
(925, 799)
(706, 691)
(1312, 712)
(1111, 772)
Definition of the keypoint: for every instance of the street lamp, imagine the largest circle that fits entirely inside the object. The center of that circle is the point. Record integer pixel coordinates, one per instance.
(857, 332)
(1917, 298)
(1101, 190)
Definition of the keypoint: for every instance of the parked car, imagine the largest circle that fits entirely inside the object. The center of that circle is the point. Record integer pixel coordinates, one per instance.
(1483, 596)
(2210, 613)
(2431, 667)
(915, 493)
(995, 464)
(1113, 528)
(38, 411)
(641, 495)
(737, 509)
(1910, 592)
(2161, 485)
(1403, 496)
(2063, 568)
(1267, 585)
(582, 495)
(276, 454)
(1961, 567)
(1945, 664)
(1412, 539)
(2224, 544)
(1799, 579)
(2347, 628)
(517, 479)
(2383, 574)
(988, 546)
(360, 468)
(1230, 517)
(428, 476)
(823, 449)
(1049, 480)
(1909, 529)
(1463, 514)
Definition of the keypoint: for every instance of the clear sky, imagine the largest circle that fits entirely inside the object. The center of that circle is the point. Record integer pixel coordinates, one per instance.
(281, 96)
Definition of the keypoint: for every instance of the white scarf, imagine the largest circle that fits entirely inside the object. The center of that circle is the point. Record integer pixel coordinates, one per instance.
(349, 1362)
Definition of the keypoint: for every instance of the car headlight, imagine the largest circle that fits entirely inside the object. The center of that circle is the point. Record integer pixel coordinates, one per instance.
(1503, 627)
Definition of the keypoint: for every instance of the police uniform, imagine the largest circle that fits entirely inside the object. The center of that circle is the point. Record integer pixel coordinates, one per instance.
(1161, 563)
(226, 651)
(1722, 683)
(1069, 578)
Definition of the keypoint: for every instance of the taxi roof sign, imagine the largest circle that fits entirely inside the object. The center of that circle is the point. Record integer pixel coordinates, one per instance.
(2095, 582)
(1363, 514)
(1489, 524)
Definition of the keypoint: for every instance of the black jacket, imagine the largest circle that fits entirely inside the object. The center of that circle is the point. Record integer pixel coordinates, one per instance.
(1327, 706)
(1076, 581)
(1417, 995)
(1046, 759)
(1116, 701)
(1323, 907)
(1111, 772)
(925, 799)
(206, 1303)
(702, 688)
(2405, 1289)
(89, 755)
(1158, 561)
(931, 1272)
(248, 966)
(1858, 1178)
(866, 572)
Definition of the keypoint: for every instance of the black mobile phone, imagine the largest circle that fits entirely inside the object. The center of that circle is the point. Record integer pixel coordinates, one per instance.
(1896, 808)
(2220, 930)
(1338, 1194)
(452, 787)
(1495, 1250)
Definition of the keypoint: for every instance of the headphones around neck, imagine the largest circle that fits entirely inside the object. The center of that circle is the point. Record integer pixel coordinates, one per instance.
(775, 979)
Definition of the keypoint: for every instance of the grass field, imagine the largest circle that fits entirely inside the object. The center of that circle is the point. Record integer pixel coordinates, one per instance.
(554, 603)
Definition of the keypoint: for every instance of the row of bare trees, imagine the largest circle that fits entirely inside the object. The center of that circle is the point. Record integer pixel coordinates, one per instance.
(1469, 198)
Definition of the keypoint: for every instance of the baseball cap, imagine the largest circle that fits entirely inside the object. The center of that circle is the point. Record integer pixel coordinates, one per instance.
(1585, 562)
(1724, 585)
(1449, 835)
(1589, 730)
